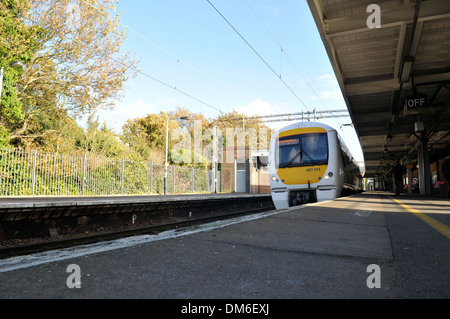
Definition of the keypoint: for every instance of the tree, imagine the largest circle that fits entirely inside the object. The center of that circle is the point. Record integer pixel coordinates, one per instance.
(147, 134)
(18, 42)
(78, 66)
(192, 118)
(148, 131)
(99, 140)
(250, 127)
(188, 133)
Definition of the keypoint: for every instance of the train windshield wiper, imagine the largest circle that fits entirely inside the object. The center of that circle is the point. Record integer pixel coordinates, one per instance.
(313, 161)
(288, 164)
(302, 152)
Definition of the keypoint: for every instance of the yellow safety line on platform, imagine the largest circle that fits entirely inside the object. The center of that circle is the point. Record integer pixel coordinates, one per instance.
(440, 227)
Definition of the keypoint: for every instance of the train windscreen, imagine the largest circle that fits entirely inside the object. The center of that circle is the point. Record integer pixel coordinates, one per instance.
(302, 150)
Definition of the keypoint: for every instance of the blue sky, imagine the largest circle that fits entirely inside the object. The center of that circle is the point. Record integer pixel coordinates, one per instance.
(187, 44)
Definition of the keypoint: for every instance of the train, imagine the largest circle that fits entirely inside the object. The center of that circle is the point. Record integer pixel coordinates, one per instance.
(309, 162)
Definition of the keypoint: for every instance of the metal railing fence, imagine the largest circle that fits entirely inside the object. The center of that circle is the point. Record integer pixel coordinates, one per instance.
(24, 173)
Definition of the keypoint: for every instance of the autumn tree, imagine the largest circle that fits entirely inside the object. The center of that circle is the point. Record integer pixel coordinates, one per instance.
(78, 66)
(147, 135)
(148, 130)
(238, 122)
(189, 138)
(18, 42)
(100, 140)
(192, 119)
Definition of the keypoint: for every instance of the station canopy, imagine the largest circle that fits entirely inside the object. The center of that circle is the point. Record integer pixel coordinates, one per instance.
(395, 78)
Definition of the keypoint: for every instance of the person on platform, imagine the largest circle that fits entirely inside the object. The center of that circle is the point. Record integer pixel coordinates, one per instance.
(446, 171)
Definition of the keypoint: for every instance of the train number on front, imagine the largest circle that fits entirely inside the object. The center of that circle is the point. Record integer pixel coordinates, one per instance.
(313, 169)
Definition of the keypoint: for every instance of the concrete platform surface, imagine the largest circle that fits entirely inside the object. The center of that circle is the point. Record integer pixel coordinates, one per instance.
(322, 250)
(42, 201)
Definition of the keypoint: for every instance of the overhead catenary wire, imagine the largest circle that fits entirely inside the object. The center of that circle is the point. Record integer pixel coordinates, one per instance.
(168, 53)
(257, 53)
(283, 51)
(178, 60)
(143, 37)
(170, 86)
(287, 117)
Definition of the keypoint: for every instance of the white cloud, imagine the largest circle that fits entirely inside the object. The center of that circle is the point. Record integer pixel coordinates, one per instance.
(327, 78)
(117, 117)
(331, 95)
(273, 10)
(330, 87)
(257, 107)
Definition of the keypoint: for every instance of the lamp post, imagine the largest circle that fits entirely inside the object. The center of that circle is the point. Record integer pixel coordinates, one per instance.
(166, 164)
(15, 65)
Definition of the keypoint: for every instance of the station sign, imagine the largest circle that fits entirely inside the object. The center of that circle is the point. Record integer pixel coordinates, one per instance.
(416, 101)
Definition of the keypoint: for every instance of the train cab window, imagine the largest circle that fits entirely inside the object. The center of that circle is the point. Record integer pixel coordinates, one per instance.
(316, 146)
(288, 152)
(302, 150)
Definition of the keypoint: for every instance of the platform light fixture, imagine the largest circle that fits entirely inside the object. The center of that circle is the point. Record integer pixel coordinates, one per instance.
(407, 68)
(17, 65)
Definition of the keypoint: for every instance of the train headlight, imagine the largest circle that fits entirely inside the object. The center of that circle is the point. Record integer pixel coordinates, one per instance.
(330, 174)
(274, 178)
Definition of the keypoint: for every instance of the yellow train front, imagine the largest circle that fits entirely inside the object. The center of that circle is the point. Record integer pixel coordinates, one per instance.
(308, 163)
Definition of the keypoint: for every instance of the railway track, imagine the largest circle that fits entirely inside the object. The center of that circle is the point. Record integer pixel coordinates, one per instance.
(78, 239)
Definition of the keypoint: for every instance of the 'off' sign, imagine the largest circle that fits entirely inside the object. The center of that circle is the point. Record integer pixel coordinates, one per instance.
(415, 101)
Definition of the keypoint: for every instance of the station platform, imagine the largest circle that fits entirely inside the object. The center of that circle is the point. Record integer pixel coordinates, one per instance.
(38, 217)
(42, 201)
(321, 250)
